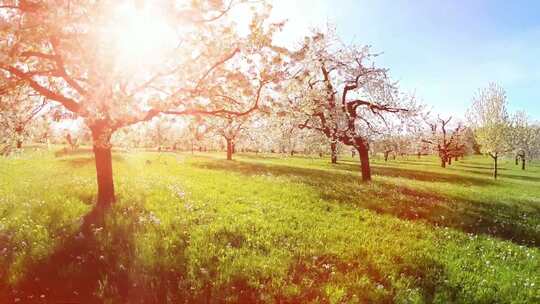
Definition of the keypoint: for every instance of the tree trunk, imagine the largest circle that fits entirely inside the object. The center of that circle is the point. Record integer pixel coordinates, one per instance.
(386, 156)
(103, 158)
(517, 159)
(333, 148)
(229, 149)
(523, 163)
(19, 144)
(450, 161)
(419, 155)
(364, 163)
(496, 167)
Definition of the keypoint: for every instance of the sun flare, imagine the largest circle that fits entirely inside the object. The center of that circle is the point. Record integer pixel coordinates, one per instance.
(141, 35)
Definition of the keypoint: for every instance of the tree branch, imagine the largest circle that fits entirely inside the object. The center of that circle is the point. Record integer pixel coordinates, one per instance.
(68, 103)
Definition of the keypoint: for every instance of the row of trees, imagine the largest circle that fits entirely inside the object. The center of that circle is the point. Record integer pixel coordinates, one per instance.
(211, 78)
(500, 133)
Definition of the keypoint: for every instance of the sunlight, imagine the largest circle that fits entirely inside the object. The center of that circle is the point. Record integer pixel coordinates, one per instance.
(206, 151)
(141, 35)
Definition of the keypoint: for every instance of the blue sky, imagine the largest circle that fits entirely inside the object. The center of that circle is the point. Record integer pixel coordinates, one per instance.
(441, 50)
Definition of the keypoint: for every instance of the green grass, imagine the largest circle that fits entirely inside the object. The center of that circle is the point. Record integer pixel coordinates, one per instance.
(199, 229)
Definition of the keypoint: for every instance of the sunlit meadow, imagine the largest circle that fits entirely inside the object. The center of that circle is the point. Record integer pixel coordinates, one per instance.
(269, 151)
(195, 229)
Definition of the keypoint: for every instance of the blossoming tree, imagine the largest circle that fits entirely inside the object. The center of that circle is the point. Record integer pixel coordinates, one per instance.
(118, 63)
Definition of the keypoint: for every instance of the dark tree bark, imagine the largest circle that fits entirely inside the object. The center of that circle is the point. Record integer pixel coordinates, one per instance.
(19, 144)
(386, 154)
(521, 157)
(443, 162)
(333, 148)
(496, 165)
(101, 136)
(450, 160)
(104, 176)
(363, 152)
(229, 149)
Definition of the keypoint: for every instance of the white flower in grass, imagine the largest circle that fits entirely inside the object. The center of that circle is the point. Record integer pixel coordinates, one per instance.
(154, 219)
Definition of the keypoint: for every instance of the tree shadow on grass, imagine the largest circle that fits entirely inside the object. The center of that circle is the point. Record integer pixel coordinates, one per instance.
(414, 162)
(504, 174)
(78, 162)
(66, 152)
(471, 216)
(81, 269)
(425, 176)
(493, 218)
(521, 177)
(487, 168)
(312, 273)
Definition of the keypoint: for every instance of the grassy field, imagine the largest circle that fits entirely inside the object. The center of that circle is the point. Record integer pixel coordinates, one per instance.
(199, 229)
